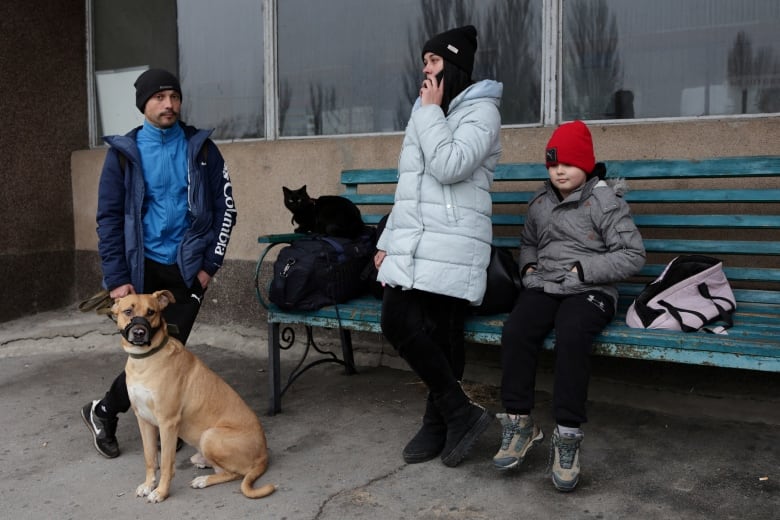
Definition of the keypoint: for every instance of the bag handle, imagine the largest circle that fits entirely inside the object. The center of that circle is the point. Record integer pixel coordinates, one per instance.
(335, 244)
(676, 313)
(725, 316)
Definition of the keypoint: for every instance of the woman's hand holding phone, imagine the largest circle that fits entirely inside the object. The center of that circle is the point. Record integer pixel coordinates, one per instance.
(432, 89)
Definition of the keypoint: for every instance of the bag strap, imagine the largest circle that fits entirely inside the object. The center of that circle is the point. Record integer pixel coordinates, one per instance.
(335, 244)
(676, 313)
(725, 315)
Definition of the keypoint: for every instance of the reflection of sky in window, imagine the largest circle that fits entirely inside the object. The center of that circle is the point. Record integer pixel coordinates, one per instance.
(221, 65)
(354, 47)
(675, 52)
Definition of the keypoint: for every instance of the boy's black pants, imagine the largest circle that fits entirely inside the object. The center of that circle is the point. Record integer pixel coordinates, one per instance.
(577, 320)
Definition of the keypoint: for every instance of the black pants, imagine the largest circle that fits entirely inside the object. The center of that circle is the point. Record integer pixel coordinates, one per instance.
(427, 331)
(577, 319)
(182, 314)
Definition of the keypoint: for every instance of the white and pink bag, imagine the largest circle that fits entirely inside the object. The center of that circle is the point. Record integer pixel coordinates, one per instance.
(691, 293)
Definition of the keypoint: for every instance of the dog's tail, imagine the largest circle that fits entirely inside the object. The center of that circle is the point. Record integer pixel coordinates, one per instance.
(249, 480)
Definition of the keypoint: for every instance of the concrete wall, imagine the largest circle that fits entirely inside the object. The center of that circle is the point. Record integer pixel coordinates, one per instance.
(43, 106)
(259, 170)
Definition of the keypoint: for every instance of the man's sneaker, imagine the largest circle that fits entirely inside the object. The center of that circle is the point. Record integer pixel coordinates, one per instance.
(565, 455)
(519, 435)
(103, 431)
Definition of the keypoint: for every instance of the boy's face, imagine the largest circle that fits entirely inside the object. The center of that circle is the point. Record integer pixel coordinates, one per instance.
(566, 178)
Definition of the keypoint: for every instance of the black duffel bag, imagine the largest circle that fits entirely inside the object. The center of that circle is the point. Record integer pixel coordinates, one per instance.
(320, 270)
(503, 283)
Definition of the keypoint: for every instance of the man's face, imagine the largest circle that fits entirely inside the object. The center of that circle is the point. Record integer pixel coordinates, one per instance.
(163, 108)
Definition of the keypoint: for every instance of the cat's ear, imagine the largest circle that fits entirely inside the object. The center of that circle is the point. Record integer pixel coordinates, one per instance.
(286, 190)
(303, 188)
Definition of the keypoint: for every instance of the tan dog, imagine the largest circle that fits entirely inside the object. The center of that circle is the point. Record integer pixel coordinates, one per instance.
(173, 391)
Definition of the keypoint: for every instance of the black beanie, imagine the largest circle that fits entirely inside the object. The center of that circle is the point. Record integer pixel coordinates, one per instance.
(457, 46)
(151, 82)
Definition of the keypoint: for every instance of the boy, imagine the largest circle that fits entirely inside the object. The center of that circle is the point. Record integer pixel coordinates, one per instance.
(578, 240)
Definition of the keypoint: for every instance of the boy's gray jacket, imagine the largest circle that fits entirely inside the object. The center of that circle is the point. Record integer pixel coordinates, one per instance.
(592, 229)
(438, 235)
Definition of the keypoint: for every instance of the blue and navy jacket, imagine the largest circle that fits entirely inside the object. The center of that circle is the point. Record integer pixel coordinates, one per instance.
(211, 211)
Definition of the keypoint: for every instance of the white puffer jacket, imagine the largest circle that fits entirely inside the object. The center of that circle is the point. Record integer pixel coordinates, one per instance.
(438, 235)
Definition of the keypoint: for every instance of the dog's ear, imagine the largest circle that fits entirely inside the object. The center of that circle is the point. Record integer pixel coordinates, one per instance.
(115, 307)
(164, 298)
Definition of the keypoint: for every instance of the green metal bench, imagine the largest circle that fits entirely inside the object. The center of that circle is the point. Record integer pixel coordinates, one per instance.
(725, 207)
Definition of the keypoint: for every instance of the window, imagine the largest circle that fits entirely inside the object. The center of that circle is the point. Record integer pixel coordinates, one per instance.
(353, 66)
(669, 58)
(216, 49)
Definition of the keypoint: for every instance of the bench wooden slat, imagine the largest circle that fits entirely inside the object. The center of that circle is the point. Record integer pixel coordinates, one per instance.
(709, 221)
(702, 196)
(732, 273)
(644, 196)
(713, 247)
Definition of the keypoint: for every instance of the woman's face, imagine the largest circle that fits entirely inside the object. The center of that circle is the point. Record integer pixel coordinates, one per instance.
(432, 64)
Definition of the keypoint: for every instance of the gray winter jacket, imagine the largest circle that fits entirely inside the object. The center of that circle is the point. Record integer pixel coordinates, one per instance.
(438, 235)
(591, 229)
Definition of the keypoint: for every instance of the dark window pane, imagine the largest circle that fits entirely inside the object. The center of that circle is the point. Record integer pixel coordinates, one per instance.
(221, 66)
(354, 66)
(670, 58)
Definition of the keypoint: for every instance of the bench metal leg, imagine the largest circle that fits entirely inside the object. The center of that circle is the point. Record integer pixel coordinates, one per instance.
(277, 335)
(274, 375)
(346, 352)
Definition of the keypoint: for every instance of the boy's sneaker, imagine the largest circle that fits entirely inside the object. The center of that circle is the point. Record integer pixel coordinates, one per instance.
(519, 435)
(565, 455)
(103, 431)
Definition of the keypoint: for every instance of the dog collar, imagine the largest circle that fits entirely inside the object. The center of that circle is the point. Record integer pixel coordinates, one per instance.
(151, 351)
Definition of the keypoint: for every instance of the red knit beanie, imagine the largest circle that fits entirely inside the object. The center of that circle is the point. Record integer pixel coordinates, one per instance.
(571, 144)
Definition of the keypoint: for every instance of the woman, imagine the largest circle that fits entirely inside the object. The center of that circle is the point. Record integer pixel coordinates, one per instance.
(434, 251)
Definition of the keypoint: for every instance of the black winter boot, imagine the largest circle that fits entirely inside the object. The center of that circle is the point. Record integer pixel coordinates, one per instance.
(466, 421)
(429, 441)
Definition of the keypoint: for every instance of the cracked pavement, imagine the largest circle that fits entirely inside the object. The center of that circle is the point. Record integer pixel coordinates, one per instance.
(336, 448)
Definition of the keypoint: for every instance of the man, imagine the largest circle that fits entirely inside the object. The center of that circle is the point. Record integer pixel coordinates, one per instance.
(164, 218)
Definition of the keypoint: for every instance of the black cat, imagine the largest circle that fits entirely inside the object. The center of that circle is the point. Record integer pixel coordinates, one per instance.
(327, 215)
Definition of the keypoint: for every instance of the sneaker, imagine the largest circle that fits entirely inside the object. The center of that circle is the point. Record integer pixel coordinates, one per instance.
(103, 431)
(565, 455)
(519, 435)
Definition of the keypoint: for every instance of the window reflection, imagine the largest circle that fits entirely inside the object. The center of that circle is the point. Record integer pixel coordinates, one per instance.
(669, 58)
(221, 66)
(368, 81)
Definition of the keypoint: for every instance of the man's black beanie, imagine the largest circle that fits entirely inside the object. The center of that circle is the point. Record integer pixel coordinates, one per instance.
(457, 46)
(151, 82)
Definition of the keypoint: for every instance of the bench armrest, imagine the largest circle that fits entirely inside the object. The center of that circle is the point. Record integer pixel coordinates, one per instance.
(282, 238)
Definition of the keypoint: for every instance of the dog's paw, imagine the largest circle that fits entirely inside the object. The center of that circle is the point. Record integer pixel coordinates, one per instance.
(199, 461)
(200, 482)
(144, 489)
(155, 497)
